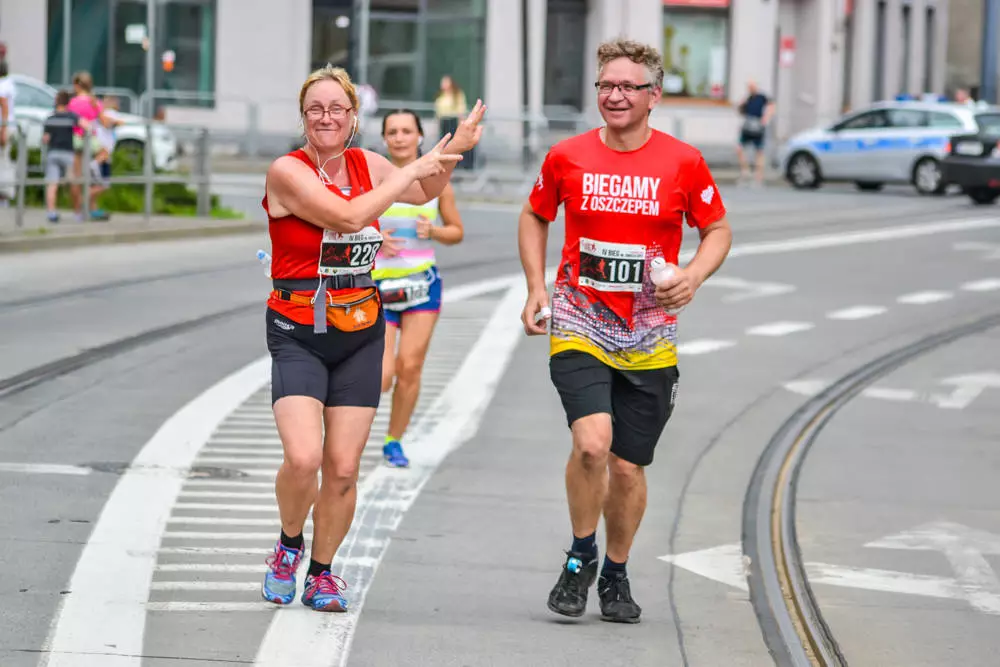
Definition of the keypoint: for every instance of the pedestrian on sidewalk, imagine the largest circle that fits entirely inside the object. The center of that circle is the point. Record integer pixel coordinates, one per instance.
(626, 190)
(57, 141)
(757, 111)
(325, 324)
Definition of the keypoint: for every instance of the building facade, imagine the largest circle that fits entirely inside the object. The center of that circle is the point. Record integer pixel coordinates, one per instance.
(239, 63)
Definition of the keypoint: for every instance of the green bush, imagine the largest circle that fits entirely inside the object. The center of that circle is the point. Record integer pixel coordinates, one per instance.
(168, 198)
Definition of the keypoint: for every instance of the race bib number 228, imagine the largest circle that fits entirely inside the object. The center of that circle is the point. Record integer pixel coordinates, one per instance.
(347, 254)
(612, 267)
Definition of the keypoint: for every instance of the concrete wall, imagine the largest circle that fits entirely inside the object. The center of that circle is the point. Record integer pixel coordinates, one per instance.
(265, 61)
(23, 29)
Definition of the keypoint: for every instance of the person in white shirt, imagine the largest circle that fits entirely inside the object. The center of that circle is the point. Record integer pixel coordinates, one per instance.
(8, 174)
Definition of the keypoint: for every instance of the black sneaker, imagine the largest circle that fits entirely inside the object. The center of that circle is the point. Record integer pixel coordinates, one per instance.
(569, 597)
(617, 605)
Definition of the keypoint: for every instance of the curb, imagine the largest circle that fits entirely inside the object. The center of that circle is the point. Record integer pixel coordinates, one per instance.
(51, 242)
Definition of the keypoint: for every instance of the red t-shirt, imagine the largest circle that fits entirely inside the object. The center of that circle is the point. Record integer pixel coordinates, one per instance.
(295, 243)
(622, 210)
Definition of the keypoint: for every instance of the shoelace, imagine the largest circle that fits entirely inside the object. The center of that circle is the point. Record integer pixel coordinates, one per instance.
(621, 590)
(279, 564)
(329, 584)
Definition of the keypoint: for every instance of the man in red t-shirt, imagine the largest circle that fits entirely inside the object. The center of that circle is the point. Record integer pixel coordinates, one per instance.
(626, 190)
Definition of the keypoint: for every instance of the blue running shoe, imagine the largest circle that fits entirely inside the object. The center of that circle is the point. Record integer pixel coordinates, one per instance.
(279, 582)
(392, 451)
(325, 593)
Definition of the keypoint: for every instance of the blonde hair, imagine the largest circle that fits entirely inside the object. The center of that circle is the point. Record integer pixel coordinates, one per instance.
(329, 73)
(641, 54)
(84, 80)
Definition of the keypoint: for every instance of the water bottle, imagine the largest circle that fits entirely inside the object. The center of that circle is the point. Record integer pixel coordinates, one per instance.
(265, 259)
(544, 314)
(660, 272)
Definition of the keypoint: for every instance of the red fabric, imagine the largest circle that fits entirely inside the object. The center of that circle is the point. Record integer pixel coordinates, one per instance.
(634, 197)
(295, 243)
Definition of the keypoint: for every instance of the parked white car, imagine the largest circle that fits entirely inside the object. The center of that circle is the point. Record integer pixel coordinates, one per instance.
(889, 142)
(35, 100)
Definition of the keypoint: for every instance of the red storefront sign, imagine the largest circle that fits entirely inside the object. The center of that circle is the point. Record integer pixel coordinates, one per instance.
(718, 4)
(786, 52)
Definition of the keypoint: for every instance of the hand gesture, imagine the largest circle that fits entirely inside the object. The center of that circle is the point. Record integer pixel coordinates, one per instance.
(390, 246)
(533, 324)
(677, 291)
(423, 227)
(434, 162)
(469, 131)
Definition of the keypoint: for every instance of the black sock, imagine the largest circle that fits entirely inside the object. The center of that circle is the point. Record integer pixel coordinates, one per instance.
(585, 545)
(611, 567)
(316, 568)
(292, 542)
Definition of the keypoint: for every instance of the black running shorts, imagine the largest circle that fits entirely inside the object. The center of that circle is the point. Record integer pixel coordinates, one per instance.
(639, 402)
(337, 368)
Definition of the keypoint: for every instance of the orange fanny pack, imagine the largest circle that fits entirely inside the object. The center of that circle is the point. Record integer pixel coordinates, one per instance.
(353, 311)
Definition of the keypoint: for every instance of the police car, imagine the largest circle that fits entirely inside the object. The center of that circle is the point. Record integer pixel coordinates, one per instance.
(889, 142)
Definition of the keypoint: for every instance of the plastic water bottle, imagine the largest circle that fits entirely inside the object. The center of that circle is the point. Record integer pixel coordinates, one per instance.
(660, 271)
(544, 314)
(265, 259)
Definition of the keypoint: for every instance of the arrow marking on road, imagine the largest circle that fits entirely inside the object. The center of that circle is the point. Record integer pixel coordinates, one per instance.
(989, 250)
(746, 289)
(967, 388)
(964, 548)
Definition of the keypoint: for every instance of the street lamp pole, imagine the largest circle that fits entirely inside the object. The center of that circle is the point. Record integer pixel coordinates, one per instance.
(991, 48)
(364, 9)
(147, 151)
(67, 39)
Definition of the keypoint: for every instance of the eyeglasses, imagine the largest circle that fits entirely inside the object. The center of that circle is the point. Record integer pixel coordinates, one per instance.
(317, 113)
(628, 89)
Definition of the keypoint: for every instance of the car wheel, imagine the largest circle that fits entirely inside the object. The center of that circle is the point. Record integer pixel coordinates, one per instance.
(803, 172)
(869, 186)
(928, 178)
(983, 196)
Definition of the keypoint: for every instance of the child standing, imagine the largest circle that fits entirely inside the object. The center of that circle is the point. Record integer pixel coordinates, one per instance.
(58, 139)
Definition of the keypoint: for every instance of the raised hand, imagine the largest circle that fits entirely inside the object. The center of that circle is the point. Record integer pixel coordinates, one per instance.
(434, 162)
(469, 130)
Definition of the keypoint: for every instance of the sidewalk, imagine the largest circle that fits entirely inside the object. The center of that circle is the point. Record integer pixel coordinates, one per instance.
(39, 234)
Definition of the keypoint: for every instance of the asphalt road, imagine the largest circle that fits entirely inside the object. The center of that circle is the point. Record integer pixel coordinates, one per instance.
(450, 563)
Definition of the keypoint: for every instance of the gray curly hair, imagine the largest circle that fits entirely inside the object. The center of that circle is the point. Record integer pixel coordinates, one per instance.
(641, 54)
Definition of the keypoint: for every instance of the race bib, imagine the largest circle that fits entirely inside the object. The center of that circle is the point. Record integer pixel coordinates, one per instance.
(400, 294)
(348, 254)
(612, 267)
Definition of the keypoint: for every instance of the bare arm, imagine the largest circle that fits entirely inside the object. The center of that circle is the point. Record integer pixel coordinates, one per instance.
(453, 230)
(532, 238)
(769, 111)
(294, 186)
(716, 240)
(380, 169)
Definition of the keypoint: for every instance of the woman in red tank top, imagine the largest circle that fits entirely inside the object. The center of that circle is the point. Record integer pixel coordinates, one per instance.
(325, 328)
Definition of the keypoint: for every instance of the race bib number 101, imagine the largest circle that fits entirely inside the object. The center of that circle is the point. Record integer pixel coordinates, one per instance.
(612, 267)
(349, 254)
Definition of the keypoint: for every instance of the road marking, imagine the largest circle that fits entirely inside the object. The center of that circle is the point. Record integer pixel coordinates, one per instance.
(205, 585)
(725, 564)
(218, 521)
(985, 285)
(212, 606)
(243, 451)
(44, 469)
(989, 250)
(227, 494)
(856, 313)
(963, 547)
(746, 289)
(966, 389)
(230, 484)
(219, 551)
(270, 507)
(779, 328)
(273, 461)
(921, 298)
(230, 537)
(110, 586)
(302, 637)
(703, 346)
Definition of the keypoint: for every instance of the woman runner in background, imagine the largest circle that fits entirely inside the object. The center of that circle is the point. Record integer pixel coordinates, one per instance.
(409, 281)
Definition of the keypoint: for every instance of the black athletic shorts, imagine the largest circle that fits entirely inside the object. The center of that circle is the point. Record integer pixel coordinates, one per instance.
(338, 368)
(639, 402)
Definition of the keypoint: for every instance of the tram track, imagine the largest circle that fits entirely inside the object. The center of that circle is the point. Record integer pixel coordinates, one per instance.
(791, 622)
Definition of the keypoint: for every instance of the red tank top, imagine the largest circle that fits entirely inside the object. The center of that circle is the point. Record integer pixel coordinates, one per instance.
(295, 243)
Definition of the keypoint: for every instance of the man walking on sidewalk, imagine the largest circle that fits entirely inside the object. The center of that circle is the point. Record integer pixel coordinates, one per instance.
(626, 189)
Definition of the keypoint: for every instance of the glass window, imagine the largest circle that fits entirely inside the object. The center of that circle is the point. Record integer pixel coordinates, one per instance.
(331, 37)
(989, 122)
(453, 49)
(907, 118)
(695, 52)
(942, 119)
(392, 58)
(476, 7)
(185, 28)
(870, 120)
(411, 6)
(33, 96)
